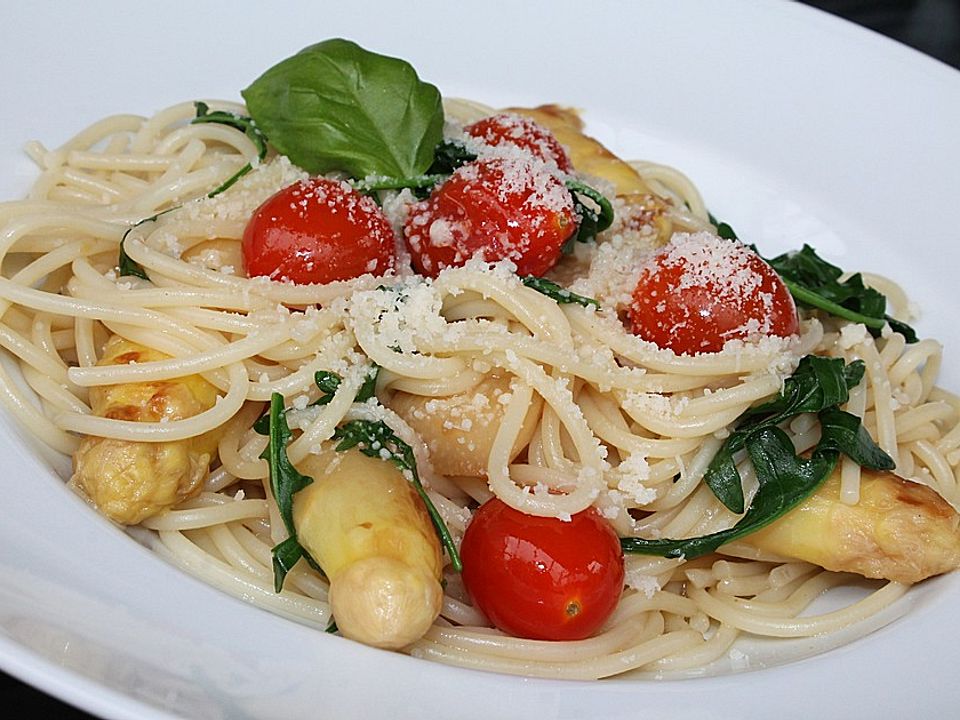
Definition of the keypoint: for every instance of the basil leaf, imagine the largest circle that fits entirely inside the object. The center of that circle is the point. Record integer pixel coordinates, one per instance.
(336, 106)
(555, 292)
(785, 479)
(376, 439)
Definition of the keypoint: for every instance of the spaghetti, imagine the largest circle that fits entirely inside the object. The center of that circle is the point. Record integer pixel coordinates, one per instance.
(617, 423)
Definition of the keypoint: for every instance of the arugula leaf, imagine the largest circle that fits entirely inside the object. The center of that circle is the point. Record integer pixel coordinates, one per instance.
(242, 123)
(723, 229)
(377, 439)
(560, 294)
(785, 481)
(816, 384)
(815, 283)
(448, 156)
(373, 183)
(843, 432)
(126, 266)
(336, 106)
(329, 383)
(592, 220)
(285, 556)
(285, 481)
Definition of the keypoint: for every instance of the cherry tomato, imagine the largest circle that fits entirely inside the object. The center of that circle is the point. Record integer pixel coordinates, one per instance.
(521, 132)
(496, 208)
(542, 578)
(699, 291)
(318, 231)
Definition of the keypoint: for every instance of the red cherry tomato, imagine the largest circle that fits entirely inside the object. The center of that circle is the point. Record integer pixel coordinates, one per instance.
(521, 132)
(699, 291)
(496, 208)
(542, 578)
(318, 231)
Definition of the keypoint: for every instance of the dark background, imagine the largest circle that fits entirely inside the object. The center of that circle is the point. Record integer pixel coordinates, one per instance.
(932, 26)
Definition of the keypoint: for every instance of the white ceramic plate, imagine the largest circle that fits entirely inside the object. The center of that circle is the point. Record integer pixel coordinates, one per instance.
(797, 127)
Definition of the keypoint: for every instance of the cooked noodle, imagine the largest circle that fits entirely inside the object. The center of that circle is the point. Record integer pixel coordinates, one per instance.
(624, 426)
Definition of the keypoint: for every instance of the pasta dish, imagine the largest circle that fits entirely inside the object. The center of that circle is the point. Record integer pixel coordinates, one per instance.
(461, 382)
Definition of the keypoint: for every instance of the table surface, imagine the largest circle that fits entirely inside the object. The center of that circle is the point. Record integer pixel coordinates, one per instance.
(927, 25)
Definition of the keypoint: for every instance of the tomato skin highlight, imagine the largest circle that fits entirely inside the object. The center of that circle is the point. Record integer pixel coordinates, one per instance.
(521, 132)
(542, 578)
(318, 231)
(699, 291)
(495, 208)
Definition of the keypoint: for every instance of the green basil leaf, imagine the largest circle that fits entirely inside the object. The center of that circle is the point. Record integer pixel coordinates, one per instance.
(336, 106)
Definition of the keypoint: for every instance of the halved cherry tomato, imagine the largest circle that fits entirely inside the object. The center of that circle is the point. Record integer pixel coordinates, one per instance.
(318, 231)
(521, 132)
(699, 291)
(496, 208)
(542, 578)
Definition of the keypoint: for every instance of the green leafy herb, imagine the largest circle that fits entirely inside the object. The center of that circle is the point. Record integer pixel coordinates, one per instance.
(593, 219)
(818, 383)
(843, 432)
(126, 266)
(242, 123)
(285, 481)
(329, 383)
(556, 292)
(723, 229)
(332, 627)
(815, 283)
(374, 183)
(448, 156)
(336, 106)
(376, 439)
(785, 481)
